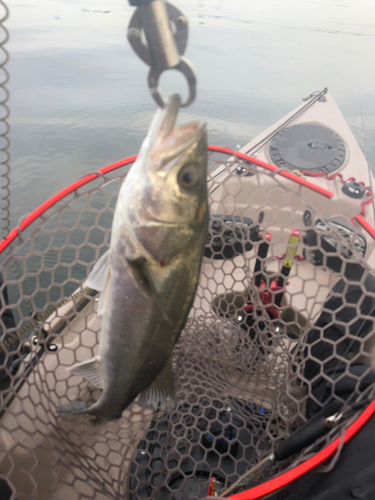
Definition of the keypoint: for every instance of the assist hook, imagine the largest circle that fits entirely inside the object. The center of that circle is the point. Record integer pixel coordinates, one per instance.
(164, 48)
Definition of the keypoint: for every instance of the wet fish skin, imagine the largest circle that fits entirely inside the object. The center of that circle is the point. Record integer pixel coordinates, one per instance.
(158, 237)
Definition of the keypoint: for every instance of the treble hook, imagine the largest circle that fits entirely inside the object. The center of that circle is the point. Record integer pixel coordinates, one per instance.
(164, 49)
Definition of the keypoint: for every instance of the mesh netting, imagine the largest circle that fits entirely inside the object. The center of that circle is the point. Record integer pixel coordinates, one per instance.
(281, 324)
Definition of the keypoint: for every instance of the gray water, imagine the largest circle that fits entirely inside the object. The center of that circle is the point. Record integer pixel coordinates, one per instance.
(79, 98)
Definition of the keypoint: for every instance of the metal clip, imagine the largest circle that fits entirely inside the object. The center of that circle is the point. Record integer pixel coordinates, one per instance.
(164, 48)
(298, 172)
(334, 419)
(345, 411)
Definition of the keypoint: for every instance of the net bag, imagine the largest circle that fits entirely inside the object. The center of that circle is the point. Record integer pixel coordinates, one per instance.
(282, 324)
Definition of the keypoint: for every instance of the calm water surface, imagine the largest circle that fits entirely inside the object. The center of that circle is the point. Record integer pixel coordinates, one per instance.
(79, 98)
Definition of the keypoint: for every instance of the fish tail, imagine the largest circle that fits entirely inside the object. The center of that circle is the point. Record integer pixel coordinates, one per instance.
(73, 408)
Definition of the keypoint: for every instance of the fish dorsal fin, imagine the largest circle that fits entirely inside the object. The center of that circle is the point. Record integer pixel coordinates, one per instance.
(90, 370)
(98, 277)
(160, 390)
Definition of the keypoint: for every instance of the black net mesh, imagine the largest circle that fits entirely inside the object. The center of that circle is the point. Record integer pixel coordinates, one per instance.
(282, 323)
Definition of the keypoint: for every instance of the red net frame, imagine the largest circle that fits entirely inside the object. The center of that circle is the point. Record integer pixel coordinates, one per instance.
(285, 478)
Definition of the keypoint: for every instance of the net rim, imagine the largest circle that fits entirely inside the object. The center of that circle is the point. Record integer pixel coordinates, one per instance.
(29, 219)
(328, 451)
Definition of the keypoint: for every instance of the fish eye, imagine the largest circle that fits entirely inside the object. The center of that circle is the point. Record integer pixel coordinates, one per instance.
(188, 177)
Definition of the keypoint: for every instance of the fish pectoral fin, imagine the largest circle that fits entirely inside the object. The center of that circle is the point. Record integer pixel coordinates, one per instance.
(99, 274)
(103, 297)
(141, 276)
(90, 370)
(139, 269)
(160, 390)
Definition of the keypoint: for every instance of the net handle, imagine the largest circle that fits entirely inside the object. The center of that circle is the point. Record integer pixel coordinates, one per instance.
(29, 219)
(286, 478)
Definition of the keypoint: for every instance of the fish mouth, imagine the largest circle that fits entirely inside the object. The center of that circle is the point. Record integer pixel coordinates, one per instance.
(172, 140)
(180, 140)
(190, 133)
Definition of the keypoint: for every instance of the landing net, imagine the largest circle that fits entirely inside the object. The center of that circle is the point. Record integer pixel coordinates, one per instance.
(282, 324)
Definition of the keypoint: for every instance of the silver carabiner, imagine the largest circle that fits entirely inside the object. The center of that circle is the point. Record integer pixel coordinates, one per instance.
(164, 48)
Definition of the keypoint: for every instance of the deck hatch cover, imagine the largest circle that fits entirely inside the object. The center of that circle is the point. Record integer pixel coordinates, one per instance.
(308, 147)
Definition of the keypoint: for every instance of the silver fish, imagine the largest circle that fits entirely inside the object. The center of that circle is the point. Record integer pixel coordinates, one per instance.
(149, 275)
